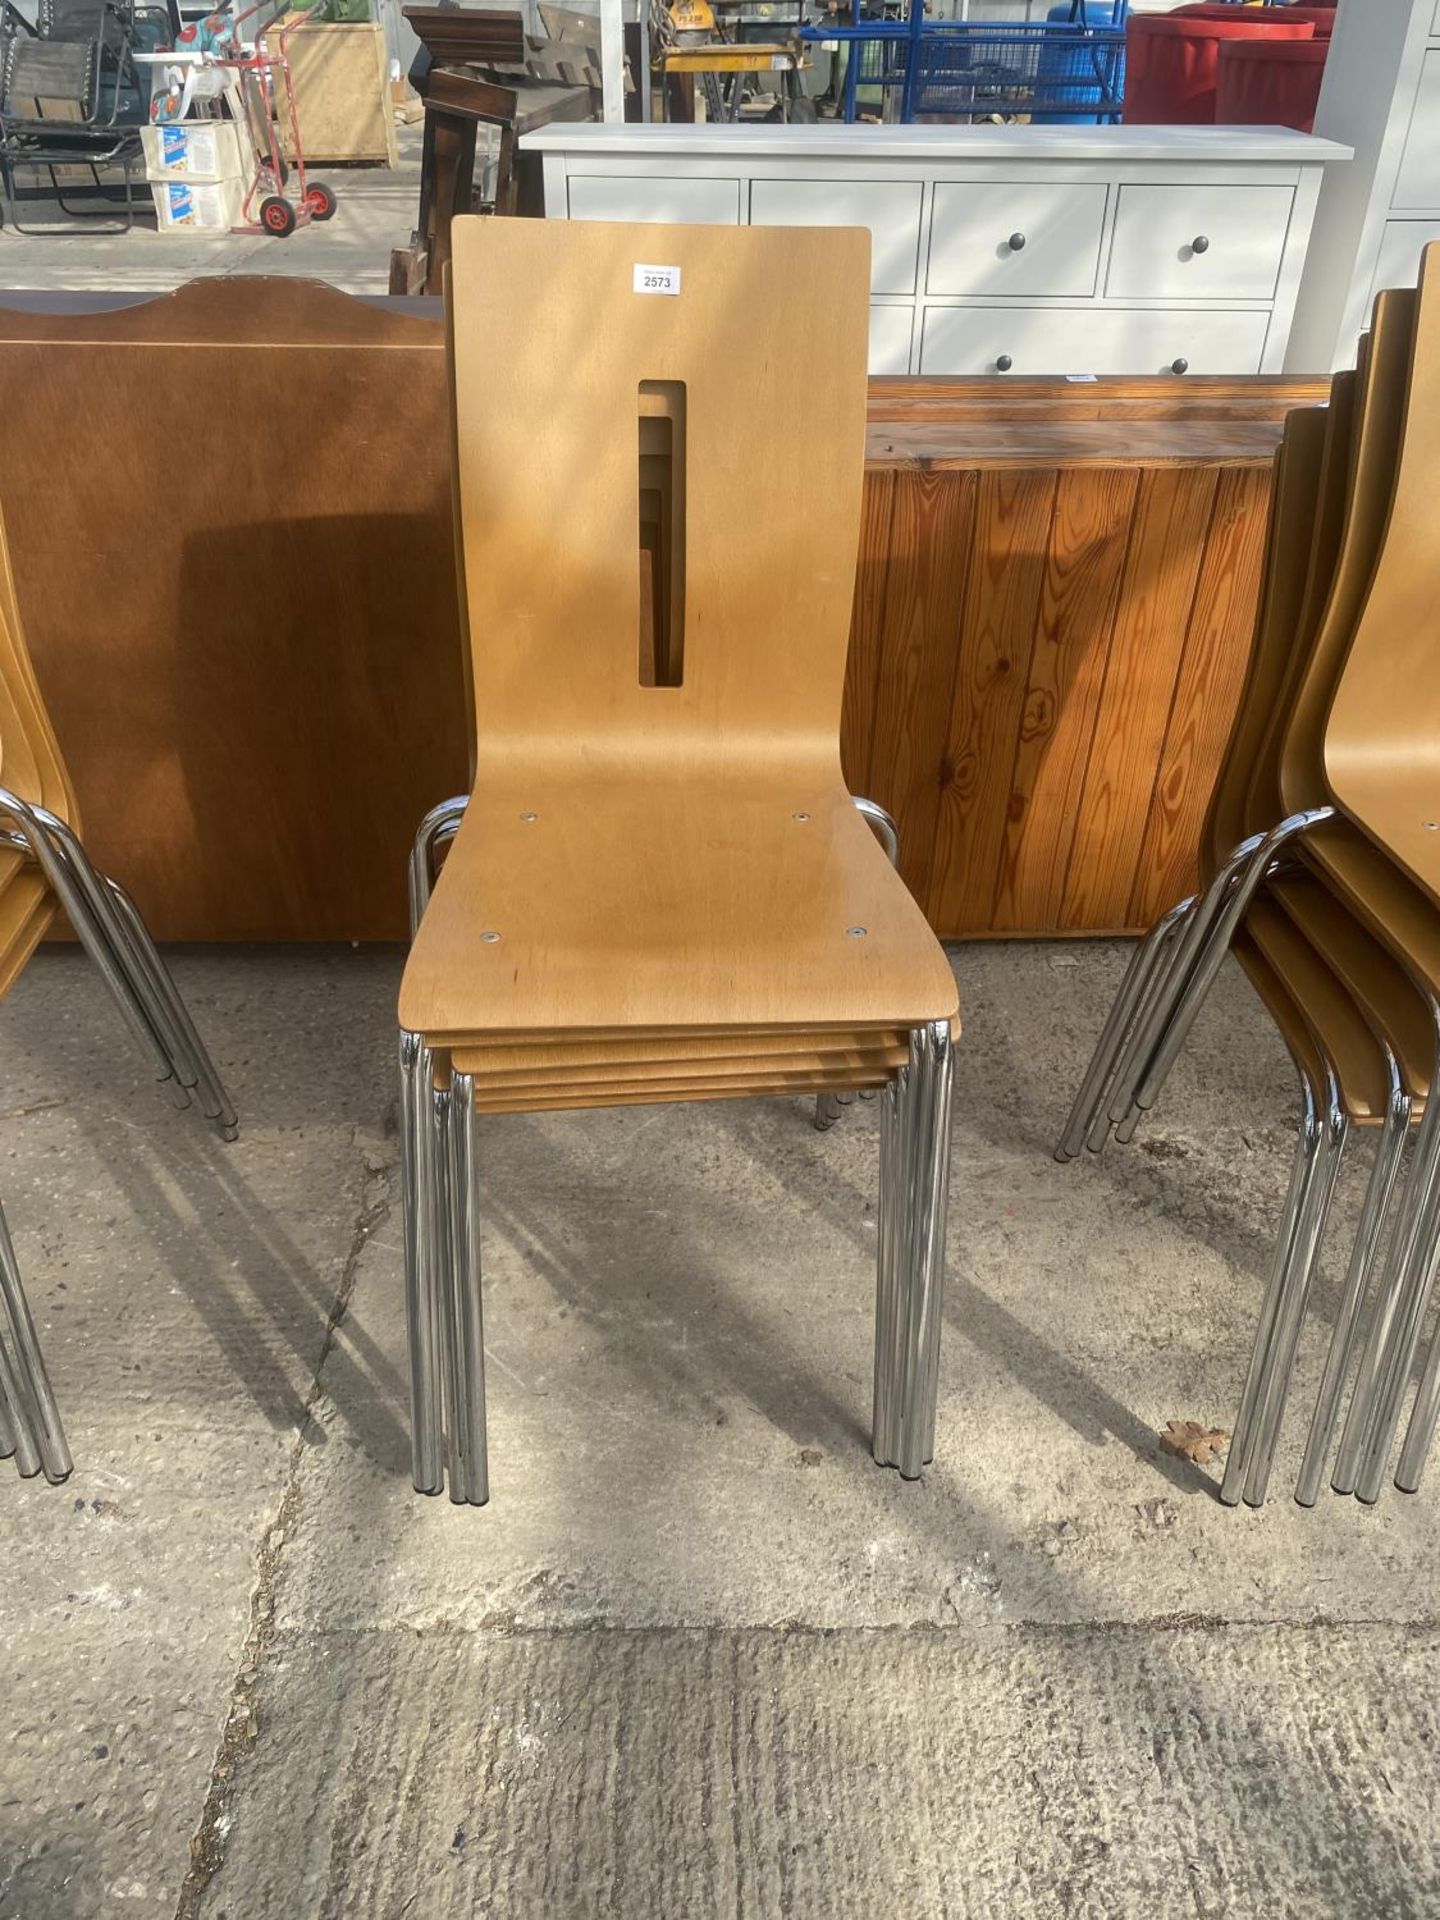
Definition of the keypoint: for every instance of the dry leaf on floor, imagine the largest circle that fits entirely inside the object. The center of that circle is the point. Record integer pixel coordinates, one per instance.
(1190, 1441)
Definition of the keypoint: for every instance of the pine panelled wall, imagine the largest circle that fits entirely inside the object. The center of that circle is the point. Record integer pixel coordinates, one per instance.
(1046, 656)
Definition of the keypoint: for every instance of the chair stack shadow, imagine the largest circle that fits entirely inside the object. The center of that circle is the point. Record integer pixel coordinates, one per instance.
(44, 869)
(659, 889)
(1323, 878)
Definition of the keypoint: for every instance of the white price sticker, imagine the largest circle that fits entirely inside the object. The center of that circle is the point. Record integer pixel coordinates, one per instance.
(657, 279)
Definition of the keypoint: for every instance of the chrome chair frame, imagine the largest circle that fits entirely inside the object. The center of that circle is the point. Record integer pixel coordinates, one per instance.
(1395, 1331)
(110, 929)
(443, 1302)
(1369, 1232)
(443, 1305)
(1165, 984)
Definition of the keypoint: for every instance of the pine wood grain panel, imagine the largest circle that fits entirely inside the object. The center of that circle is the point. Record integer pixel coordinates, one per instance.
(1007, 574)
(931, 534)
(867, 621)
(1067, 672)
(1207, 692)
(1167, 540)
(1194, 398)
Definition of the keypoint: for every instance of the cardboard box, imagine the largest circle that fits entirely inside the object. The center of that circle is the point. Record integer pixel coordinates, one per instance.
(198, 206)
(193, 150)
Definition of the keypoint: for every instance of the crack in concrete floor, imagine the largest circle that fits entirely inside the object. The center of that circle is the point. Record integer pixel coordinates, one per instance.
(242, 1730)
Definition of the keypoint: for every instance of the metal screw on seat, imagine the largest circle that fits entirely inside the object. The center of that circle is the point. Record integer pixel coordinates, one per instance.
(529, 818)
(802, 817)
(489, 938)
(856, 933)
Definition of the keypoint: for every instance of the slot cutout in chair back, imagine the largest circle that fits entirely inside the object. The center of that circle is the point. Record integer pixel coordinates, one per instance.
(662, 533)
(743, 350)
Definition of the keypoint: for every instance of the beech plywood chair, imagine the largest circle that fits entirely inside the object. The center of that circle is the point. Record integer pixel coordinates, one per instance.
(1347, 957)
(659, 887)
(43, 868)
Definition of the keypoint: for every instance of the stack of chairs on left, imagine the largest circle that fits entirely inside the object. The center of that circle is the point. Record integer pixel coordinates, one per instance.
(44, 868)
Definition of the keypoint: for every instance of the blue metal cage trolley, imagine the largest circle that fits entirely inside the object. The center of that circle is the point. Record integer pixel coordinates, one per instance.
(1070, 67)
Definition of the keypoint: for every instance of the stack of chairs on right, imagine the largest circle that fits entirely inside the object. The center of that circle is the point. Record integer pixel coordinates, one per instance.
(1322, 877)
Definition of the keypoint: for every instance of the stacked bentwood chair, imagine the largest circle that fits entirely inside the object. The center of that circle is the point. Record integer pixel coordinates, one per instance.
(1324, 879)
(660, 889)
(44, 868)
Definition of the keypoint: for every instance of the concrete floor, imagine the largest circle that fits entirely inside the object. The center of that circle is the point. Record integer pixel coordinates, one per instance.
(376, 209)
(699, 1657)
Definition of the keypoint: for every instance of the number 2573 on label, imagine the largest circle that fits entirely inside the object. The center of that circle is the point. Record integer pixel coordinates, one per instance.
(657, 279)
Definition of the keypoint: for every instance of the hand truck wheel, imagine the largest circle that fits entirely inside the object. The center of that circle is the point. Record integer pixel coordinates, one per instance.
(277, 216)
(319, 201)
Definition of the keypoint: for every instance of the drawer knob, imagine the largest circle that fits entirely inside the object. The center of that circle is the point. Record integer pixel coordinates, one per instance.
(1004, 363)
(1182, 365)
(1017, 243)
(1200, 244)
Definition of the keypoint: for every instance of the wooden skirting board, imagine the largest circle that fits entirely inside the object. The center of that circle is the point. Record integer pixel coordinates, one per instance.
(250, 645)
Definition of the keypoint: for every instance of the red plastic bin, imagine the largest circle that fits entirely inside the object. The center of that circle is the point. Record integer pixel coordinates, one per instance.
(1322, 18)
(1172, 60)
(1270, 83)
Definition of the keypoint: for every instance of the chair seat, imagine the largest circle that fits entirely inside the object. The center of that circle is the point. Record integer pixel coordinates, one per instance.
(637, 902)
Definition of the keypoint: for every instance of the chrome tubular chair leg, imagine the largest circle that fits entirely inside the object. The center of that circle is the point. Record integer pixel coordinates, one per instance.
(163, 999)
(467, 1317)
(1133, 988)
(1243, 1435)
(1416, 1238)
(1155, 983)
(1207, 944)
(1290, 1315)
(427, 1400)
(1420, 1434)
(20, 1441)
(919, 1192)
(9, 1425)
(1389, 1352)
(437, 1172)
(1374, 1209)
(90, 930)
(894, 1107)
(117, 919)
(440, 823)
(1189, 943)
(37, 1400)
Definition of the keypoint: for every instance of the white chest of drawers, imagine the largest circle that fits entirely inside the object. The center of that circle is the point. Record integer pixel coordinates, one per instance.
(1037, 250)
(1381, 94)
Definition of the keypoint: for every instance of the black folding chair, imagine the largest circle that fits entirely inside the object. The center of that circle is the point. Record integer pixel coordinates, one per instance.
(71, 96)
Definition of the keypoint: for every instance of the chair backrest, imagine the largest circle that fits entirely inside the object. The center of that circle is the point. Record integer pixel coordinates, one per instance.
(1300, 465)
(37, 76)
(1382, 738)
(659, 444)
(1375, 451)
(30, 761)
(1263, 804)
